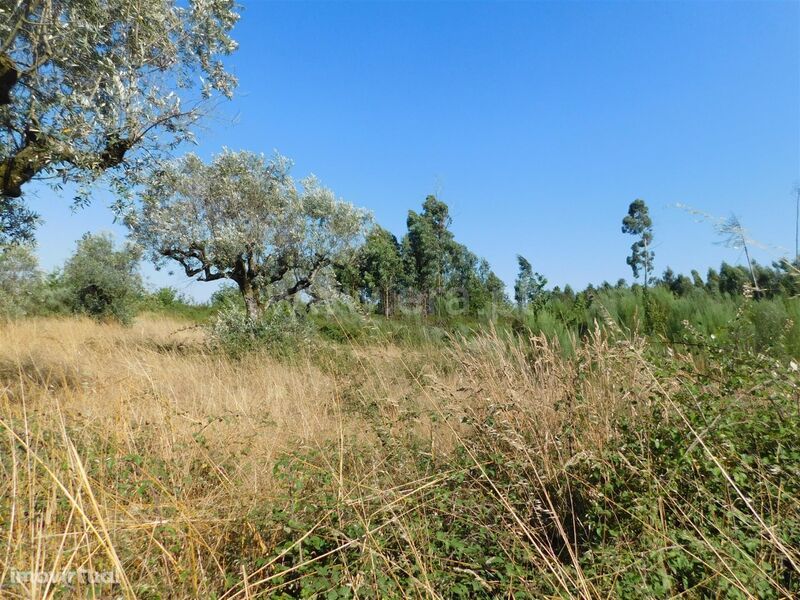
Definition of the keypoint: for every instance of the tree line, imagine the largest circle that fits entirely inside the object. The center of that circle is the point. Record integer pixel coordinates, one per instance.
(94, 92)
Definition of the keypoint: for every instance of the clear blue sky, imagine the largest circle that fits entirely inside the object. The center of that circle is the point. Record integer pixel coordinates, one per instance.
(536, 122)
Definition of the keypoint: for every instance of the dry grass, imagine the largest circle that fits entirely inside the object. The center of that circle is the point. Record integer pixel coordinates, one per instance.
(140, 451)
(197, 432)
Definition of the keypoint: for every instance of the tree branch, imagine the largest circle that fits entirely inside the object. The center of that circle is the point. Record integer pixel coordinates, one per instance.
(304, 283)
(184, 258)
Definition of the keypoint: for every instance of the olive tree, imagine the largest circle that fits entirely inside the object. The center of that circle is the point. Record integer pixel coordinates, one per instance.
(242, 217)
(89, 87)
(19, 278)
(102, 281)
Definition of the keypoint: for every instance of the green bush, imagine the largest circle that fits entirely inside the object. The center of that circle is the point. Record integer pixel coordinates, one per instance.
(103, 282)
(280, 331)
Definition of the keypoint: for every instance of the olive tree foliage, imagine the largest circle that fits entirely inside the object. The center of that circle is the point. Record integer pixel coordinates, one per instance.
(243, 218)
(93, 87)
(19, 279)
(102, 281)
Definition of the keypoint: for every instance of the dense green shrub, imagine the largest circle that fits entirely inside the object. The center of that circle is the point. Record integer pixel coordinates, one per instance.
(101, 281)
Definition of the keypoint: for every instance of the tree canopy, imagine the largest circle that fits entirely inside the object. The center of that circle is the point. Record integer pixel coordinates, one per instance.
(91, 87)
(529, 286)
(243, 218)
(638, 222)
(381, 266)
(102, 281)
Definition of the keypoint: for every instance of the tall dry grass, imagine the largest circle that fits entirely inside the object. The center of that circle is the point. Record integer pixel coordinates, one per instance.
(361, 469)
(114, 436)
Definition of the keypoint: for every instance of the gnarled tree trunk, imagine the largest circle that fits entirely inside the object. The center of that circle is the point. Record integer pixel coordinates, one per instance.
(252, 299)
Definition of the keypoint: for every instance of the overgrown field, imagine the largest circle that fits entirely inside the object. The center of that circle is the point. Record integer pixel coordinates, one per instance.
(388, 465)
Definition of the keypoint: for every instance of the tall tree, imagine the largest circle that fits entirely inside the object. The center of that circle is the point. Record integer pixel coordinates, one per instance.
(638, 222)
(529, 286)
(90, 87)
(427, 248)
(242, 218)
(381, 267)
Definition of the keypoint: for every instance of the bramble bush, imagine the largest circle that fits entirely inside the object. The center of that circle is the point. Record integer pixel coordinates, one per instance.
(280, 331)
(695, 491)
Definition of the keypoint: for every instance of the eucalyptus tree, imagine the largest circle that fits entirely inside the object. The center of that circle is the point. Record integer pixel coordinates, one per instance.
(243, 218)
(638, 222)
(381, 266)
(427, 248)
(487, 293)
(92, 87)
(529, 286)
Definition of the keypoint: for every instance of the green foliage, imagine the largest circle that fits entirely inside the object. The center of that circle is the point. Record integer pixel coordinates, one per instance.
(638, 222)
(169, 301)
(676, 504)
(338, 323)
(766, 325)
(243, 218)
(697, 496)
(426, 247)
(529, 287)
(381, 267)
(428, 270)
(322, 540)
(280, 331)
(20, 280)
(110, 94)
(103, 282)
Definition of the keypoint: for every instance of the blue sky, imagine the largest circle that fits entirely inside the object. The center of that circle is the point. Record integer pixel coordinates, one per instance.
(538, 123)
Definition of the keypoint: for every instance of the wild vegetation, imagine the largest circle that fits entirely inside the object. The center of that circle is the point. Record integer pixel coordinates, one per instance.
(619, 441)
(358, 414)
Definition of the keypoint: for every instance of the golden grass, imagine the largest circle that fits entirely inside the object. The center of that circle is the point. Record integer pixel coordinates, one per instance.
(139, 450)
(150, 394)
(157, 381)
